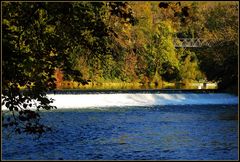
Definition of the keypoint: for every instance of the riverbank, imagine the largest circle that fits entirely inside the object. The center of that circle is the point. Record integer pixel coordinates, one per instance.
(134, 85)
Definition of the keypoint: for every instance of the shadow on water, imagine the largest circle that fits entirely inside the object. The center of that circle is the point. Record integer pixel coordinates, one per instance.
(228, 116)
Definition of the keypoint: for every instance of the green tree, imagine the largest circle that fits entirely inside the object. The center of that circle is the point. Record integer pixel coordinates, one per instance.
(108, 65)
(189, 67)
(162, 53)
(220, 60)
(38, 38)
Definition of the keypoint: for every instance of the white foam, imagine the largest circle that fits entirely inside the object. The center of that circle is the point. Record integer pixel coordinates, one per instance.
(139, 99)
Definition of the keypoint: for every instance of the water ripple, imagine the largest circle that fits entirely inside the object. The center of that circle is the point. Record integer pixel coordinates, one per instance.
(139, 133)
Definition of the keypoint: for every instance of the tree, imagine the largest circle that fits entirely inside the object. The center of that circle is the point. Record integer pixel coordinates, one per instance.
(189, 68)
(38, 38)
(220, 60)
(107, 64)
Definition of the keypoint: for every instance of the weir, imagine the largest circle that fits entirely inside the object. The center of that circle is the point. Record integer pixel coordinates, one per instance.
(101, 99)
(141, 99)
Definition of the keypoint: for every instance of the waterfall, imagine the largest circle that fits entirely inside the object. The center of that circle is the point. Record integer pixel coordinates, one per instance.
(139, 99)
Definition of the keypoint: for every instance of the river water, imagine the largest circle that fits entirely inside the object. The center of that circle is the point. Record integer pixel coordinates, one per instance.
(147, 132)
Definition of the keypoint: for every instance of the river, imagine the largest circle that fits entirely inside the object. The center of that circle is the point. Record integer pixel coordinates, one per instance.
(165, 129)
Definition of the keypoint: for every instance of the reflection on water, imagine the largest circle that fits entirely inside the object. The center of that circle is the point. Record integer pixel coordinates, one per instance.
(139, 86)
(132, 133)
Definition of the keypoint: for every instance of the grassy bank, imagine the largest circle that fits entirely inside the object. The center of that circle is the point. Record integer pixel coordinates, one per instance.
(132, 85)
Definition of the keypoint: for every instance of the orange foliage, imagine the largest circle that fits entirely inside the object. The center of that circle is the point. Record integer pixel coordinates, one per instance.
(130, 64)
(59, 78)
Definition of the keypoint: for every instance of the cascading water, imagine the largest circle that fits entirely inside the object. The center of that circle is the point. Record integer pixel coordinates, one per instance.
(128, 99)
(88, 100)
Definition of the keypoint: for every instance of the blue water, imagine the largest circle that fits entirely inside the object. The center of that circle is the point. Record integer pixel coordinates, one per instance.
(208, 132)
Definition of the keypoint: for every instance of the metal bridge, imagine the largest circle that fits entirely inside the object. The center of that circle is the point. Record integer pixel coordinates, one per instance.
(190, 42)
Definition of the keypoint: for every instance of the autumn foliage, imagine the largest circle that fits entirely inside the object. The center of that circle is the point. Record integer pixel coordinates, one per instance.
(58, 77)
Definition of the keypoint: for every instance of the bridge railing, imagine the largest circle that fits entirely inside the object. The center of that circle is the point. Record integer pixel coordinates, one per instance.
(190, 42)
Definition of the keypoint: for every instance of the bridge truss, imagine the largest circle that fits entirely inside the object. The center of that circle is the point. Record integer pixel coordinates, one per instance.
(190, 42)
